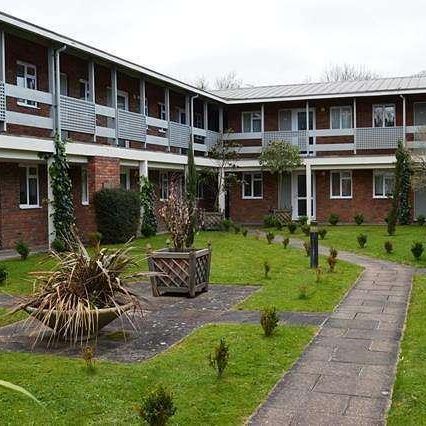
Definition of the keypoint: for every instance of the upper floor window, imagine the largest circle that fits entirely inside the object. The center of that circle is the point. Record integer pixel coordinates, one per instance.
(28, 187)
(122, 100)
(341, 184)
(341, 117)
(63, 84)
(84, 186)
(420, 114)
(384, 115)
(180, 115)
(383, 184)
(162, 111)
(252, 122)
(252, 185)
(84, 90)
(26, 77)
(164, 186)
(285, 120)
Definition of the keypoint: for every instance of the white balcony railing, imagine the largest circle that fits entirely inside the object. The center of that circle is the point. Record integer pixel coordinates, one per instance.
(77, 115)
(131, 126)
(212, 138)
(378, 137)
(298, 138)
(2, 102)
(179, 134)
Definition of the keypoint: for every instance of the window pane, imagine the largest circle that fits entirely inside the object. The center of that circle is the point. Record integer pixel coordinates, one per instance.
(20, 71)
(378, 185)
(346, 118)
(84, 194)
(121, 143)
(22, 185)
(389, 185)
(121, 102)
(301, 185)
(346, 187)
(420, 114)
(335, 184)
(257, 186)
(284, 119)
(257, 124)
(31, 83)
(246, 122)
(335, 118)
(83, 90)
(30, 70)
(247, 185)
(123, 180)
(389, 116)
(378, 115)
(32, 191)
(301, 207)
(301, 120)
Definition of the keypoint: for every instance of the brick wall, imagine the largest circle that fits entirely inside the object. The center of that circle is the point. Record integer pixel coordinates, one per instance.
(16, 223)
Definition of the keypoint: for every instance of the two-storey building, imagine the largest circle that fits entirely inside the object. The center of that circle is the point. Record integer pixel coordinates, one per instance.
(124, 121)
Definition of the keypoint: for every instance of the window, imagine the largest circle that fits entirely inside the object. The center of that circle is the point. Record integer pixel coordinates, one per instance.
(198, 120)
(164, 186)
(180, 115)
(252, 185)
(420, 114)
(284, 120)
(123, 143)
(84, 187)
(63, 84)
(341, 184)
(252, 122)
(384, 115)
(84, 90)
(383, 184)
(341, 117)
(28, 187)
(125, 179)
(162, 111)
(26, 77)
(122, 100)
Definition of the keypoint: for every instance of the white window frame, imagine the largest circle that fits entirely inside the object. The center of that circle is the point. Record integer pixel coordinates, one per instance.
(84, 186)
(164, 186)
(336, 197)
(252, 180)
(124, 95)
(26, 102)
(383, 105)
(180, 111)
(163, 112)
(86, 89)
(340, 108)
(251, 121)
(29, 176)
(125, 172)
(386, 174)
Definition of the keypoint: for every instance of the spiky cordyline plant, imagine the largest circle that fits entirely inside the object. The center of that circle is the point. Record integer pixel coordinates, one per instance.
(68, 297)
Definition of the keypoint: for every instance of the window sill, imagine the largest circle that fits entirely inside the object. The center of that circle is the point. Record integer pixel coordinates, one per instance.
(340, 198)
(382, 197)
(28, 207)
(23, 104)
(84, 203)
(252, 198)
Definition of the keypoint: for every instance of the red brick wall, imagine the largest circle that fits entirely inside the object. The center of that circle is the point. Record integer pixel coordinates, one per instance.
(16, 223)
(373, 209)
(253, 211)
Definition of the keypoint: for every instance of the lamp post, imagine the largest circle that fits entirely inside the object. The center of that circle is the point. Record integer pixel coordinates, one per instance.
(314, 244)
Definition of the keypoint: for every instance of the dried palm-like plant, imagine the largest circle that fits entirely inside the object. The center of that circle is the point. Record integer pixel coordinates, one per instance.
(82, 293)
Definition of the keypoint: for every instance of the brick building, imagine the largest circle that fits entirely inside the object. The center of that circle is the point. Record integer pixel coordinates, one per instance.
(124, 121)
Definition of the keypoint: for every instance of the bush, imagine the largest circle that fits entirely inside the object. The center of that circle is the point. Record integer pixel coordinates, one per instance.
(58, 245)
(292, 226)
(94, 238)
(359, 219)
(333, 219)
(226, 225)
(318, 273)
(88, 355)
(267, 268)
(333, 252)
(362, 240)
(244, 232)
(390, 220)
(388, 247)
(237, 228)
(286, 242)
(158, 407)
(270, 221)
(417, 249)
(269, 321)
(307, 247)
(303, 220)
(306, 229)
(322, 232)
(219, 359)
(332, 259)
(22, 249)
(421, 219)
(3, 274)
(270, 236)
(303, 291)
(117, 214)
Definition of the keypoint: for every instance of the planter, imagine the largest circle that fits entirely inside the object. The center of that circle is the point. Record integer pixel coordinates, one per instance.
(98, 318)
(184, 272)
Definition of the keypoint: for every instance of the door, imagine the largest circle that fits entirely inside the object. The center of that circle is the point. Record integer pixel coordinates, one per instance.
(419, 203)
(285, 192)
(299, 195)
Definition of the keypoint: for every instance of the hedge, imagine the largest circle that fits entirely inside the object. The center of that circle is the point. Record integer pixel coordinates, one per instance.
(117, 214)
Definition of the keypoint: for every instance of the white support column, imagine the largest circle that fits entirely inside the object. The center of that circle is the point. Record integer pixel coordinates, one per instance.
(354, 125)
(92, 89)
(187, 110)
(50, 207)
(167, 104)
(143, 173)
(404, 119)
(308, 191)
(57, 93)
(142, 96)
(114, 94)
(206, 115)
(262, 118)
(221, 189)
(221, 119)
(2, 69)
(307, 127)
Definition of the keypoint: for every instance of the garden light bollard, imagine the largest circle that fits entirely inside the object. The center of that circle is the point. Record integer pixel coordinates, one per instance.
(314, 244)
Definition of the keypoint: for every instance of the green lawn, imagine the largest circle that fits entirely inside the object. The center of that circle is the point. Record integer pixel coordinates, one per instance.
(409, 397)
(240, 260)
(6, 319)
(73, 396)
(345, 238)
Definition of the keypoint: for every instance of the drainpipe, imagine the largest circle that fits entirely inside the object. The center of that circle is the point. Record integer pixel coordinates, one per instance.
(404, 124)
(58, 89)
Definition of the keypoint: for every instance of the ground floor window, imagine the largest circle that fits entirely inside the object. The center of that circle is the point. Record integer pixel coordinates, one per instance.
(125, 179)
(28, 187)
(164, 186)
(341, 184)
(84, 187)
(383, 184)
(252, 185)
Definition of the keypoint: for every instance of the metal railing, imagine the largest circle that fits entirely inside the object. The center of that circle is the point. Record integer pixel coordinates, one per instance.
(131, 126)
(2, 102)
(298, 138)
(378, 137)
(212, 138)
(179, 135)
(77, 115)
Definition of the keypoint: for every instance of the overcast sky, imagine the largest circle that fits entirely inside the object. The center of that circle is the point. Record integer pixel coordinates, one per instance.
(263, 41)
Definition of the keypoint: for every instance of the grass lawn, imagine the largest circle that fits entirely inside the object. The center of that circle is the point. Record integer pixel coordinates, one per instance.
(240, 260)
(409, 397)
(9, 319)
(345, 238)
(73, 396)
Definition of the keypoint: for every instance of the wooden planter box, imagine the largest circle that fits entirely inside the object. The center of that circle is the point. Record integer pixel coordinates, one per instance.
(180, 272)
(211, 221)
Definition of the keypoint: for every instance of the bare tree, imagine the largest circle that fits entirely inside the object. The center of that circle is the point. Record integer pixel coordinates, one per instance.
(421, 73)
(347, 72)
(228, 81)
(201, 82)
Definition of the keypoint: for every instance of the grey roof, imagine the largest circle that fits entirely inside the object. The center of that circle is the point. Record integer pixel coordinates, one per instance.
(288, 91)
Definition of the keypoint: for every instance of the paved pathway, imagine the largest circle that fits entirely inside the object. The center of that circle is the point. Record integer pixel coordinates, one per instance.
(346, 375)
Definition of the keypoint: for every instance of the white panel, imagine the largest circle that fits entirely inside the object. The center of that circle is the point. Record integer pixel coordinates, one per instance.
(200, 147)
(105, 132)
(332, 132)
(199, 132)
(378, 137)
(29, 120)
(179, 135)
(156, 122)
(211, 138)
(29, 94)
(157, 140)
(77, 115)
(334, 147)
(296, 137)
(105, 110)
(131, 126)
(240, 136)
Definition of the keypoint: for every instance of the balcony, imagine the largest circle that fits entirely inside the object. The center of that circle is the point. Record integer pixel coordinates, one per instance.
(2, 102)
(78, 115)
(297, 138)
(378, 137)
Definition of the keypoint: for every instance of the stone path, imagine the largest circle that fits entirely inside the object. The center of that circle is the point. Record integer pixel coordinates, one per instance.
(346, 375)
(11, 254)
